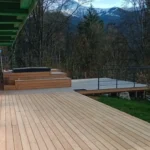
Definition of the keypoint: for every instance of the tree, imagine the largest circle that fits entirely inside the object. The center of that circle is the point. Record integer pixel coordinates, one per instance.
(137, 27)
(39, 41)
(147, 33)
(116, 52)
(90, 19)
(90, 41)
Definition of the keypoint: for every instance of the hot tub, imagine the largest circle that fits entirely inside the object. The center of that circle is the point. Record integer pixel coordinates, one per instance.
(31, 69)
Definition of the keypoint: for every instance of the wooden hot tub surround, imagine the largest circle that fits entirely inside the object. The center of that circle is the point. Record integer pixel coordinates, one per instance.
(35, 80)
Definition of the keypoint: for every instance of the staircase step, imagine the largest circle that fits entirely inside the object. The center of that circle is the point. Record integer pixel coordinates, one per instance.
(43, 83)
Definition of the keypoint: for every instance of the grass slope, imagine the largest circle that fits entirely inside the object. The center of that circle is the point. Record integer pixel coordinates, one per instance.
(137, 108)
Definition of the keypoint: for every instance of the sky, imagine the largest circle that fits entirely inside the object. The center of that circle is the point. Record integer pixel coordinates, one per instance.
(107, 3)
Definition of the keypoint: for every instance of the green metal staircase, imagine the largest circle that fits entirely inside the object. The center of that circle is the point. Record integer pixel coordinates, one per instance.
(13, 15)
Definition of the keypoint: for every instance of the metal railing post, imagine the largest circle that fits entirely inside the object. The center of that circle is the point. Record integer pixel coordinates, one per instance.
(98, 80)
(116, 79)
(116, 83)
(134, 79)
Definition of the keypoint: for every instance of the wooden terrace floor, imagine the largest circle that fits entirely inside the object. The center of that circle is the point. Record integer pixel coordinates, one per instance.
(67, 121)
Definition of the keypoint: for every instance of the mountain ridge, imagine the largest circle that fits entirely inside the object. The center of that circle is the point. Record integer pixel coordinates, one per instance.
(108, 15)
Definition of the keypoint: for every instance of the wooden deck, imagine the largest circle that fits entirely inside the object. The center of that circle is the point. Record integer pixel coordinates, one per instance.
(114, 90)
(67, 121)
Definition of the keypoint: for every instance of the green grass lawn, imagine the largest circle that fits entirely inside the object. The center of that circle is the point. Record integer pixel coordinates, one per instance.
(137, 108)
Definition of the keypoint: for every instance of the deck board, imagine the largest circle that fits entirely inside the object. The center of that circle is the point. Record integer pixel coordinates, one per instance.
(67, 121)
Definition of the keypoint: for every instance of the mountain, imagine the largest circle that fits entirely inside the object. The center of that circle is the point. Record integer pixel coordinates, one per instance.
(111, 15)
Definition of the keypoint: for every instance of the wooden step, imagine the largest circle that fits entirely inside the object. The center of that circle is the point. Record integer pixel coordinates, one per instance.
(9, 78)
(27, 75)
(9, 82)
(43, 83)
(9, 87)
(55, 70)
(58, 75)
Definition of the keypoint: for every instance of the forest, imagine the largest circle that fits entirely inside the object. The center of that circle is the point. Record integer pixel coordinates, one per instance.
(48, 39)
